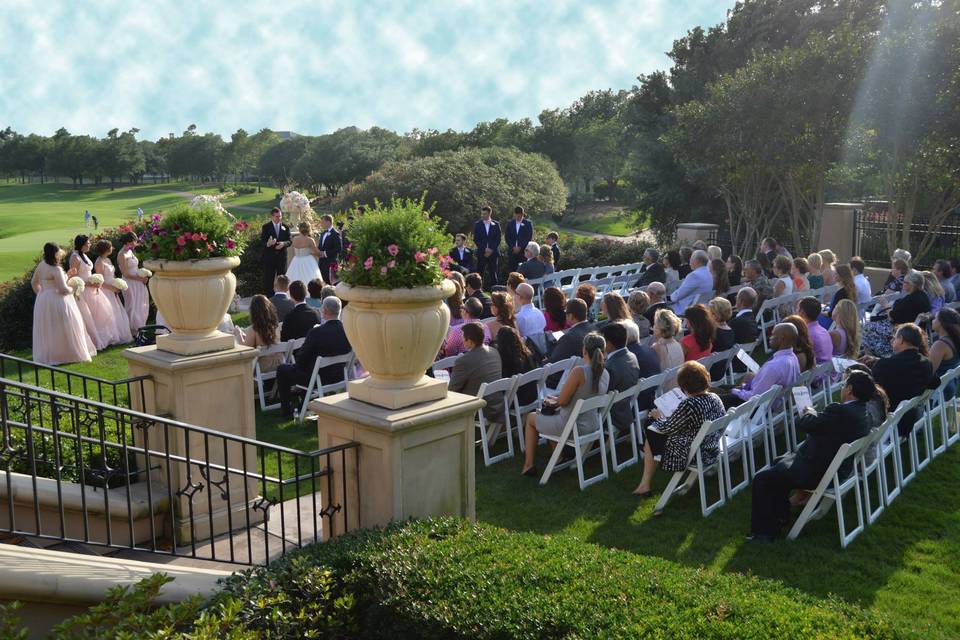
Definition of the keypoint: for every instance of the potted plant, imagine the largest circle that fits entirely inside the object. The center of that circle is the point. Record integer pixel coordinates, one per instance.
(394, 280)
(191, 251)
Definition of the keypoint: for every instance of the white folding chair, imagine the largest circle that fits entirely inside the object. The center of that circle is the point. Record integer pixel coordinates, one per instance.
(872, 462)
(947, 408)
(294, 347)
(316, 389)
(520, 411)
(830, 491)
(630, 435)
(488, 435)
(682, 481)
(260, 376)
(734, 446)
(749, 429)
(922, 431)
(581, 442)
(767, 317)
(551, 368)
(733, 376)
(444, 364)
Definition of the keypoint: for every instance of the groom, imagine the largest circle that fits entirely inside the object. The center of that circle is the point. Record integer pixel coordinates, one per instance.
(275, 237)
(330, 245)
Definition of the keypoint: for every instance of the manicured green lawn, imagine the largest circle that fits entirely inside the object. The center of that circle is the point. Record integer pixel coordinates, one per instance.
(614, 222)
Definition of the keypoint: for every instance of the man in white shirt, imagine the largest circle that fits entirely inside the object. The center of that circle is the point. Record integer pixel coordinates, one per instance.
(860, 280)
(530, 320)
(698, 283)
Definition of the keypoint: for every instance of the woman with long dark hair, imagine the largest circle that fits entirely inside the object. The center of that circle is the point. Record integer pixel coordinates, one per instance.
(721, 279)
(734, 266)
(554, 309)
(699, 342)
(945, 350)
(59, 336)
(806, 356)
(82, 267)
(502, 308)
(264, 330)
(516, 358)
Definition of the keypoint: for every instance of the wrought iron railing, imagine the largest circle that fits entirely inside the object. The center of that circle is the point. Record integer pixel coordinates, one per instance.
(875, 224)
(80, 470)
(120, 393)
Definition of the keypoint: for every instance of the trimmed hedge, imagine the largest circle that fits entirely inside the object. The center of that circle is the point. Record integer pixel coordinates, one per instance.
(449, 579)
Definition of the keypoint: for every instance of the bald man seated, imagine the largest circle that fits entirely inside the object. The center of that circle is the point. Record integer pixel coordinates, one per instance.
(782, 368)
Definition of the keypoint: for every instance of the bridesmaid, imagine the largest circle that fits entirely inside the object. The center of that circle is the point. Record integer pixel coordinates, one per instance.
(137, 298)
(59, 336)
(81, 267)
(117, 324)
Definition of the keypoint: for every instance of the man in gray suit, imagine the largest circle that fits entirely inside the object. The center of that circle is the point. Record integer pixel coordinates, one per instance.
(281, 297)
(624, 372)
(571, 343)
(477, 365)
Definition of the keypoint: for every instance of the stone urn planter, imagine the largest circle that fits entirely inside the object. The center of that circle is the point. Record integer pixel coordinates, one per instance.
(396, 334)
(193, 295)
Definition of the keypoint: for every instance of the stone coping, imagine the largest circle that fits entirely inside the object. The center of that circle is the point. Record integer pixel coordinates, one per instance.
(73, 496)
(42, 575)
(155, 357)
(345, 408)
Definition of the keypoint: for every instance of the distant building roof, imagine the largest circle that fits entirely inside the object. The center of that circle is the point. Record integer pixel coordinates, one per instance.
(286, 135)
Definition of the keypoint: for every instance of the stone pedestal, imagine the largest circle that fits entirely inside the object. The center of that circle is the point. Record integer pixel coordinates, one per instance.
(215, 391)
(690, 232)
(837, 229)
(414, 462)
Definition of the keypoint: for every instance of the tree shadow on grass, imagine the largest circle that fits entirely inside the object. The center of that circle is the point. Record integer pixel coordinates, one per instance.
(914, 546)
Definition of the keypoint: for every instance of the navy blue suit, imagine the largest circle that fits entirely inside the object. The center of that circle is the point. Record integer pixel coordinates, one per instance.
(467, 264)
(484, 240)
(517, 239)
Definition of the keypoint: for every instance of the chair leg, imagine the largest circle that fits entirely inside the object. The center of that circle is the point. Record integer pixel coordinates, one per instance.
(669, 490)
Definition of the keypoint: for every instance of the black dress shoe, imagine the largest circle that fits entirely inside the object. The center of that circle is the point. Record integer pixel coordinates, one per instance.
(531, 472)
(760, 537)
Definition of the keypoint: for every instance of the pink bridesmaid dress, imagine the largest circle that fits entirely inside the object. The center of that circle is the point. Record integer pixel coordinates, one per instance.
(136, 299)
(59, 336)
(84, 269)
(120, 323)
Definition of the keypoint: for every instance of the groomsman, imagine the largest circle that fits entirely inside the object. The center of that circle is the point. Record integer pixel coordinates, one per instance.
(275, 237)
(330, 245)
(519, 233)
(486, 237)
(462, 255)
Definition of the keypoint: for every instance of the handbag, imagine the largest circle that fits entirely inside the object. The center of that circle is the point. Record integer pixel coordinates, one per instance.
(549, 409)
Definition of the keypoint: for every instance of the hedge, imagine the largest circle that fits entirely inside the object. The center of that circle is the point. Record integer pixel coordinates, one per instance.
(450, 579)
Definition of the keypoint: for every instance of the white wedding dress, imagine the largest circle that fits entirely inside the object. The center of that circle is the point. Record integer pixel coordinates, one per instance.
(304, 266)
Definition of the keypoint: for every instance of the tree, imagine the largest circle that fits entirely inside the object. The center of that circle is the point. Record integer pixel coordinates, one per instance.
(120, 155)
(460, 182)
(349, 154)
(277, 161)
(154, 161)
(259, 143)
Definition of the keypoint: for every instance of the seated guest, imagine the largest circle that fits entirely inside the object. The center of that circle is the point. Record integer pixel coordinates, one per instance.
(588, 294)
(624, 372)
(899, 269)
(328, 290)
(955, 272)
(809, 309)
(474, 289)
(280, 298)
(315, 293)
(692, 287)
(766, 264)
(806, 357)
(513, 281)
(714, 252)
(669, 439)
(516, 358)
(857, 266)
(554, 309)
(532, 268)
(734, 266)
(942, 270)
(478, 364)
(685, 267)
(721, 279)
(652, 270)
(905, 374)
(754, 278)
(638, 303)
(657, 293)
(671, 270)
(455, 304)
(302, 317)
(586, 380)
(453, 344)
(724, 337)
(783, 285)
(876, 334)
(781, 369)
(458, 278)
(615, 309)
(845, 334)
(553, 241)
(571, 342)
(529, 319)
(945, 351)
(699, 342)
(931, 286)
(744, 322)
(502, 308)
(666, 326)
(829, 259)
(546, 257)
(798, 273)
(462, 255)
(264, 330)
(840, 423)
(815, 274)
(848, 287)
(323, 341)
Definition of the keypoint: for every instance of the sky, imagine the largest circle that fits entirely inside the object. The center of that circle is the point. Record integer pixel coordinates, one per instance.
(315, 66)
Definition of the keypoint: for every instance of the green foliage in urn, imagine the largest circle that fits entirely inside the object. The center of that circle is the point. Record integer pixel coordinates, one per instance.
(192, 232)
(395, 246)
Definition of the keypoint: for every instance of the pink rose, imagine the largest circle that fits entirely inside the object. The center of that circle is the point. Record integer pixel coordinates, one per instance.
(181, 241)
(231, 244)
(391, 264)
(419, 256)
(195, 237)
(393, 249)
(383, 271)
(368, 263)
(432, 251)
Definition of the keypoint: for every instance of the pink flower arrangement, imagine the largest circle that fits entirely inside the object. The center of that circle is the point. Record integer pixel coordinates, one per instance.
(393, 250)
(419, 257)
(391, 264)
(368, 263)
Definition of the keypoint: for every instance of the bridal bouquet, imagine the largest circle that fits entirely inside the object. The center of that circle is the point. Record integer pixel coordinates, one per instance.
(120, 284)
(213, 202)
(77, 284)
(144, 273)
(96, 279)
(294, 202)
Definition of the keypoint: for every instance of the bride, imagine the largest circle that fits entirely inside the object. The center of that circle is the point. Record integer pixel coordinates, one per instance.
(304, 266)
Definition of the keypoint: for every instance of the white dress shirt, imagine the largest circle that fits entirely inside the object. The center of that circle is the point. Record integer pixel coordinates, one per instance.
(530, 320)
(863, 288)
(698, 282)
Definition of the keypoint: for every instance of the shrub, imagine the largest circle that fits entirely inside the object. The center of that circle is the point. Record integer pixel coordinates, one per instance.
(16, 312)
(581, 251)
(188, 232)
(250, 272)
(460, 182)
(395, 246)
(450, 579)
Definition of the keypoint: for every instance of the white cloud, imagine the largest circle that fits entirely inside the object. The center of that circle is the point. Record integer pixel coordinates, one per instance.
(315, 66)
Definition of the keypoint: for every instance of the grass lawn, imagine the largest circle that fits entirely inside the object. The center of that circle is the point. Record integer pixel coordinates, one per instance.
(615, 221)
(906, 566)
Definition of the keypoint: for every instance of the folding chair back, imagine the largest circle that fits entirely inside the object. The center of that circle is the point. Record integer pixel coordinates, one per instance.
(551, 368)
(316, 389)
(535, 377)
(947, 406)
(582, 442)
(444, 364)
(630, 436)
(490, 432)
(259, 376)
(872, 462)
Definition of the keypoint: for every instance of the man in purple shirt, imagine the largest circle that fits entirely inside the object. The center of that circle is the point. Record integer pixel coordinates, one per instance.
(782, 368)
(809, 309)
